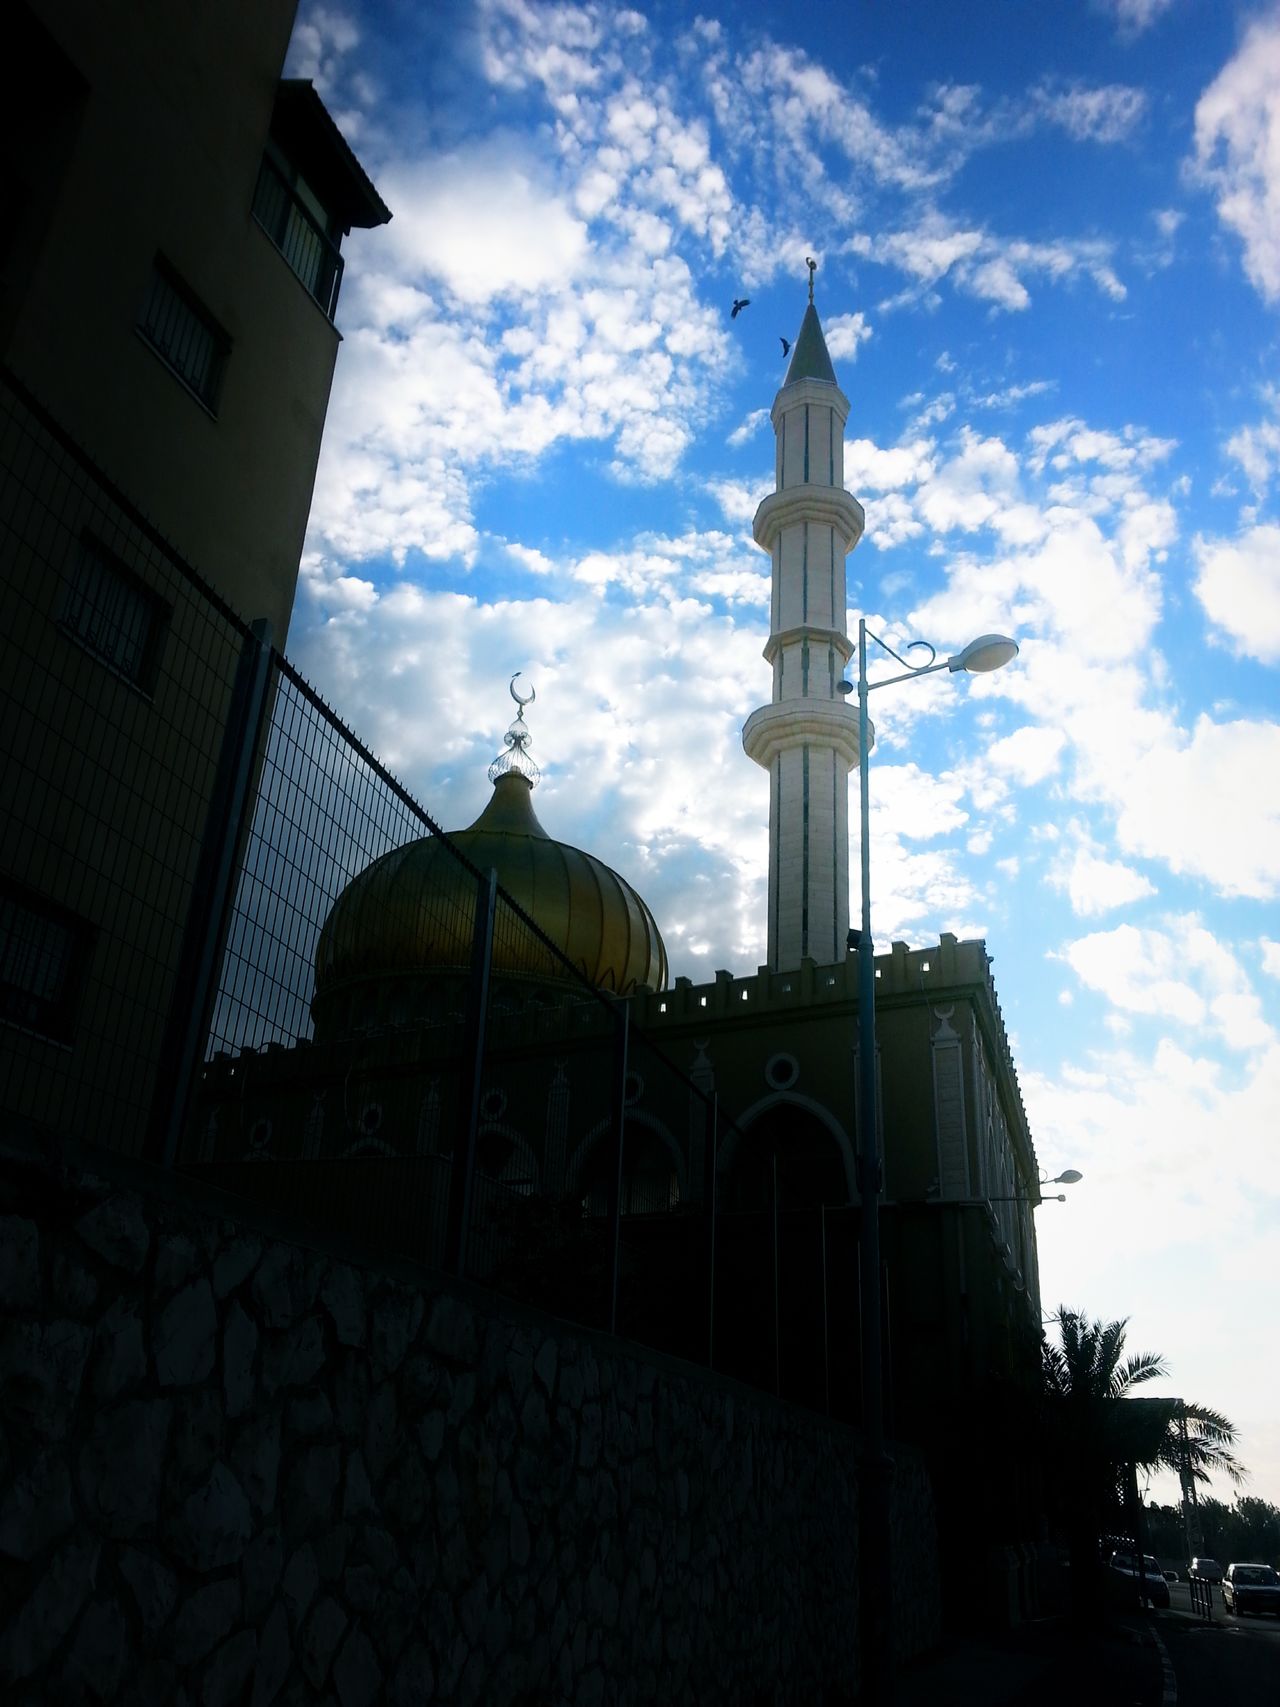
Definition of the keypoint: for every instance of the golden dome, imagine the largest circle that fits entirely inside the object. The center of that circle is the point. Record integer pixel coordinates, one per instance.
(412, 913)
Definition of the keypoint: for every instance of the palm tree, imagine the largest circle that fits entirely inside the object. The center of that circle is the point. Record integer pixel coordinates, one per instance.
(1097, 1429)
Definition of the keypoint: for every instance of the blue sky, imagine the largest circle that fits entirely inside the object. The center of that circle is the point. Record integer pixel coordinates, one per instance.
(1049, 274)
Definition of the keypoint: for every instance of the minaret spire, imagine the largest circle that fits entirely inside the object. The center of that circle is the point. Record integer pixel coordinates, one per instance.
(807, 736)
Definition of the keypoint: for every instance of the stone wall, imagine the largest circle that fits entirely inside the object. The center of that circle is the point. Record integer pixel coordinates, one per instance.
(236, 1468)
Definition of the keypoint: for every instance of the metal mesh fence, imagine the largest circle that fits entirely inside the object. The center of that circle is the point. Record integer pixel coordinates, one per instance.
(117, 670)
(325, 810)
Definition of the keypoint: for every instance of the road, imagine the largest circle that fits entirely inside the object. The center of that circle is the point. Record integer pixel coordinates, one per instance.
(1231, 1662)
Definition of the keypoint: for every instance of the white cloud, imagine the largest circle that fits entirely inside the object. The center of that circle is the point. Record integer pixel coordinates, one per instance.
(971, 488)
(560, 47)
(536, 562)
(1181, 974)
(806, 106)
(1238, 583)
(1270, 957)
(321, 39)
(1010, 395)
(869, 468)
(1102, 113)
(891, 520)
(844, 334)
(1093, 883)
(481, 221)
(1256, 447)
(747, 428)
(994, 269)
(1201, 805)
(1133, 17)
(928, 252)
(1067, 442)
(918, 806)
(1029, 755)
(1237, 150)
(737, 499)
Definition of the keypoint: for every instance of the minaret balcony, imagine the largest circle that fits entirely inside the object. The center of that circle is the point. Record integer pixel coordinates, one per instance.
(799, 723)
(828, 506)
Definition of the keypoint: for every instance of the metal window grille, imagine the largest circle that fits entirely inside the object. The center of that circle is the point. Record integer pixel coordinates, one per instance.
(299, 236)
(41, 954)
(113, 615)
(185, 337)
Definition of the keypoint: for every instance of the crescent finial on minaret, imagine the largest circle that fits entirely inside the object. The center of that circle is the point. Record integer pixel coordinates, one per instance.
(517, 741)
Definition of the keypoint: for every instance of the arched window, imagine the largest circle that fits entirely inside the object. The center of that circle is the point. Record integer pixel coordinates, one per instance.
(792, 1146)
(650, 1184)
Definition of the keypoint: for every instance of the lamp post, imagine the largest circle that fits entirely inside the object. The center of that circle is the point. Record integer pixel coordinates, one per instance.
(988, 652)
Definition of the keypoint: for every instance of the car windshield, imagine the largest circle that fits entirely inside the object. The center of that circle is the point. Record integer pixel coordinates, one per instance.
(1254, 1576)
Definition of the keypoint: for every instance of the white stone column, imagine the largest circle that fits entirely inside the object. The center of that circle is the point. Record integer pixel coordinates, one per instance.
(807, 737)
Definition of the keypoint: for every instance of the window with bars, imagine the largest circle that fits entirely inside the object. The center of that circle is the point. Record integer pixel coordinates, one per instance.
(184, 334)
(114, 615)
(43, 956)
(299, 225)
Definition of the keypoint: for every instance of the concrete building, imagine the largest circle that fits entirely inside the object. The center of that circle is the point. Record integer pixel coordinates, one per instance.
(171, 278)
(169, 271)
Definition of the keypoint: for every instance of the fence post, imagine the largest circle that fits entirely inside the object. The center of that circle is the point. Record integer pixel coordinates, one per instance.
(777, 1318)
(621, 1037)
(709, 1199)
(826, 1328)
(464, 1145)
(195, 983)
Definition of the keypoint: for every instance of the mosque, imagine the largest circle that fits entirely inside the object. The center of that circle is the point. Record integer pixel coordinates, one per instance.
(772, 1051)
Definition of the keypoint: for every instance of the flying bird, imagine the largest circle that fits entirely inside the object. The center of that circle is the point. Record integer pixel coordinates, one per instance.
(741, 302)
(786, 347)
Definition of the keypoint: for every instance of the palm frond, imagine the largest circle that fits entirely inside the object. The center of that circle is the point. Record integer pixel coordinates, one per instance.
(1143, 1366)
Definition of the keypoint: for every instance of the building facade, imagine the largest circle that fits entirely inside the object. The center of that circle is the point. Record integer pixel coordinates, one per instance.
(169, 272)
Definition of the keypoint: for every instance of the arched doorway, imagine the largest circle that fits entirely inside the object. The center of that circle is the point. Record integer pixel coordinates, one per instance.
(786, 1287)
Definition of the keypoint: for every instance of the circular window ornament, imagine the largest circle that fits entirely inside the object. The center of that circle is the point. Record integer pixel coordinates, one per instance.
(370, 1118)
(633, 1089)
(493, 1105)
(260, 1133)
(781, 1071)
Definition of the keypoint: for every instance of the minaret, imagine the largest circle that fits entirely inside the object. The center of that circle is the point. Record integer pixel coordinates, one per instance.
(807, 737)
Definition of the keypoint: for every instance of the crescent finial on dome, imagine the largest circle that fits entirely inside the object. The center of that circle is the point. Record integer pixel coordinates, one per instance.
(517, 741)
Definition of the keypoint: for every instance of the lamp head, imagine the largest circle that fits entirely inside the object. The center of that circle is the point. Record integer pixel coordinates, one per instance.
(1068, 1176)
(987, 652)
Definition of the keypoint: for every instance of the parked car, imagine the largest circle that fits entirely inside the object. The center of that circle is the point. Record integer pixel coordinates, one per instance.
(1251, 1588)
(1209, 1569)
(1154, 1587)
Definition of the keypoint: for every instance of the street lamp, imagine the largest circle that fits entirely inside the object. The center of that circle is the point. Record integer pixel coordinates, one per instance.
(1068, 1176)
(987, 652)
